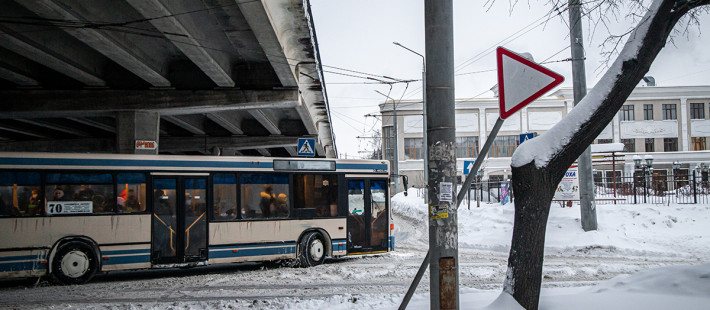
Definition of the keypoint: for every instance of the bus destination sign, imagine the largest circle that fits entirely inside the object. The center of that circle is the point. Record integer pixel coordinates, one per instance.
(69, 207)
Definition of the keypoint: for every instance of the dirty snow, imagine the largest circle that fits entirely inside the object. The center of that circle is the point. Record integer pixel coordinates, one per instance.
(642, 257)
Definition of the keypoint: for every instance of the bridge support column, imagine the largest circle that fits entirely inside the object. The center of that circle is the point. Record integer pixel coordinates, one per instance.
(136, 125)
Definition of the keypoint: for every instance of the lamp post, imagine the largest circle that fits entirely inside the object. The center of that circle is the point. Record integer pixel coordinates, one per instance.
(424, 140)
(676, 168)
(395, 162)
(646, 167)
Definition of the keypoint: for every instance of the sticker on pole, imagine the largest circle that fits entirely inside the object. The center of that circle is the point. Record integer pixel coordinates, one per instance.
(521, 81)
(446, 191)
(306, 147)
(439, 212)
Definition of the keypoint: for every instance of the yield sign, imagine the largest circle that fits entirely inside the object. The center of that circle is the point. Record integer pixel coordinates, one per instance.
(520, 81)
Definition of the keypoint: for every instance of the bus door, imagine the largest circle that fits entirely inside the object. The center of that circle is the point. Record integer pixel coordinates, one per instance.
(368, 218)
(179, 222)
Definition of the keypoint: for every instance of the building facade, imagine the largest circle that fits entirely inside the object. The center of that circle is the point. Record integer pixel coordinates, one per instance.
(671, 124)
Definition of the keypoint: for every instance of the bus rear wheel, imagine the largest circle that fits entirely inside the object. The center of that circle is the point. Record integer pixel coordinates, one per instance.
(74, 263)
(311, 250)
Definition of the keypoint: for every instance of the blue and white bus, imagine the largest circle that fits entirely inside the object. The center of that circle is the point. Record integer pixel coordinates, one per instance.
(73, 215)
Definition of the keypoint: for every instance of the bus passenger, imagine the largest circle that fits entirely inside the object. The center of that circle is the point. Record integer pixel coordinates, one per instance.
(281, 206)
(58, 194)
(131, 204)
(34, 203)
(267, 200)
(85, 193)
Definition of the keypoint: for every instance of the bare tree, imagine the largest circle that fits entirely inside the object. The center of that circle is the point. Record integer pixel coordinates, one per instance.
(538, 167)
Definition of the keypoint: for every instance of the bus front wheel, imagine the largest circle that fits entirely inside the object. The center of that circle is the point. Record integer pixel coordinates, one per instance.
(312, 250)
(74, 263)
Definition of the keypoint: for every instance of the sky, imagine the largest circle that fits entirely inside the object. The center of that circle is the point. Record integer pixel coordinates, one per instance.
(355, 41)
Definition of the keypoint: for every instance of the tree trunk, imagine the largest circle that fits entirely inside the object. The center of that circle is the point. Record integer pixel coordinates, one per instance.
(535, 186)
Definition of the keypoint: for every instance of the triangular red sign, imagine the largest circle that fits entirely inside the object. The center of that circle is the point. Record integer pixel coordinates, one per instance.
(521, 81)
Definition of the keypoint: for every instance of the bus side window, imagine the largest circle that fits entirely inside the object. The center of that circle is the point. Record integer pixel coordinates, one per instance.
(316, 191)
(224, 193)
(264, 196)
(132, 193)
(79, 193)
(20, 194)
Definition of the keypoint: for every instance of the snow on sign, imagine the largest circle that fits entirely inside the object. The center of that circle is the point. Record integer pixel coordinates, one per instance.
(521, 81)
(306, 147)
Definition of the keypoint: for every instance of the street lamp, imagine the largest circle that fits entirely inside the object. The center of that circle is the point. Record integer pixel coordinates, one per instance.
(644, 166)
(396, 142)
(676, 168)
(424, 123)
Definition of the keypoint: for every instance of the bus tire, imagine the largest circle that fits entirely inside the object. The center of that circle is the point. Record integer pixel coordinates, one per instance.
(75, 263)
(311, 250)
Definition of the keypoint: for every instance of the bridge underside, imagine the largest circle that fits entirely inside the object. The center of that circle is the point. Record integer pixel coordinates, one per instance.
(197, 77)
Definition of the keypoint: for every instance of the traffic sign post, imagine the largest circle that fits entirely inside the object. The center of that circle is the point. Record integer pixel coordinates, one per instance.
(525, 81)
(306, 147)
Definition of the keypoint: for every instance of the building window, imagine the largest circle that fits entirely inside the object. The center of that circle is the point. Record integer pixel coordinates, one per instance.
(388, 141)
(504, 146)
(629, 145)
(649, 145)
(698, 143)
(670, 144)
(647, 112)
(627, 112)
(669, 112)
(413, 148)
(697, 111)
(603, 141)
(466, 147)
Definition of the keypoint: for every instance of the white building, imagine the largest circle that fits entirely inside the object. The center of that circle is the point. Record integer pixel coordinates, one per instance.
(670, 123)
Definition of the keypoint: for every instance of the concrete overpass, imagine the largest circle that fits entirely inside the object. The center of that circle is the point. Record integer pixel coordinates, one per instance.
(230, 77)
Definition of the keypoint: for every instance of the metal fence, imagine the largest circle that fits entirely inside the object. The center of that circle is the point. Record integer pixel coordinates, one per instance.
(655, 189)
(636, 189)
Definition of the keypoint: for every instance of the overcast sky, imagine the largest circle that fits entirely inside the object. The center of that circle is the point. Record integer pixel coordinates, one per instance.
(357, 35)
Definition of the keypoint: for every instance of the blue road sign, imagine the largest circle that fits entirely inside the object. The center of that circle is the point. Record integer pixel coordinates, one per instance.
(526, 136)
(467, 165)
(306, 147)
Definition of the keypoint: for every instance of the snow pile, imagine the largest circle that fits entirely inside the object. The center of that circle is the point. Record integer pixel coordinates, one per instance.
(678, 287)
(639, 230)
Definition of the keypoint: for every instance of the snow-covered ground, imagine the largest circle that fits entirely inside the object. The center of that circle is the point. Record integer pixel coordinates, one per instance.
(642, 257)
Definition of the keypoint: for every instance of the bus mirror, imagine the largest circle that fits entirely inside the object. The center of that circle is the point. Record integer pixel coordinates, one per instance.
(405, 180)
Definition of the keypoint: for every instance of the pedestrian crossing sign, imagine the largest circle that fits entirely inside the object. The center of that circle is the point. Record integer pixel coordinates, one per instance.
(306, 147)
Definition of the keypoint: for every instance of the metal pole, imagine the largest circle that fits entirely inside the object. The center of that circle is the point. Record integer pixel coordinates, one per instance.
(441, 142)
(395, 162)
(481, 157)
(396, 147)
(579, 83)
(424, 129)
(613, 160)
(695, 189)
(424, 139)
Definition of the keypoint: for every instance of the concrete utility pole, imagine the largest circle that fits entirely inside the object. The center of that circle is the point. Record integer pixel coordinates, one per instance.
(443, 227)
(579, 84)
